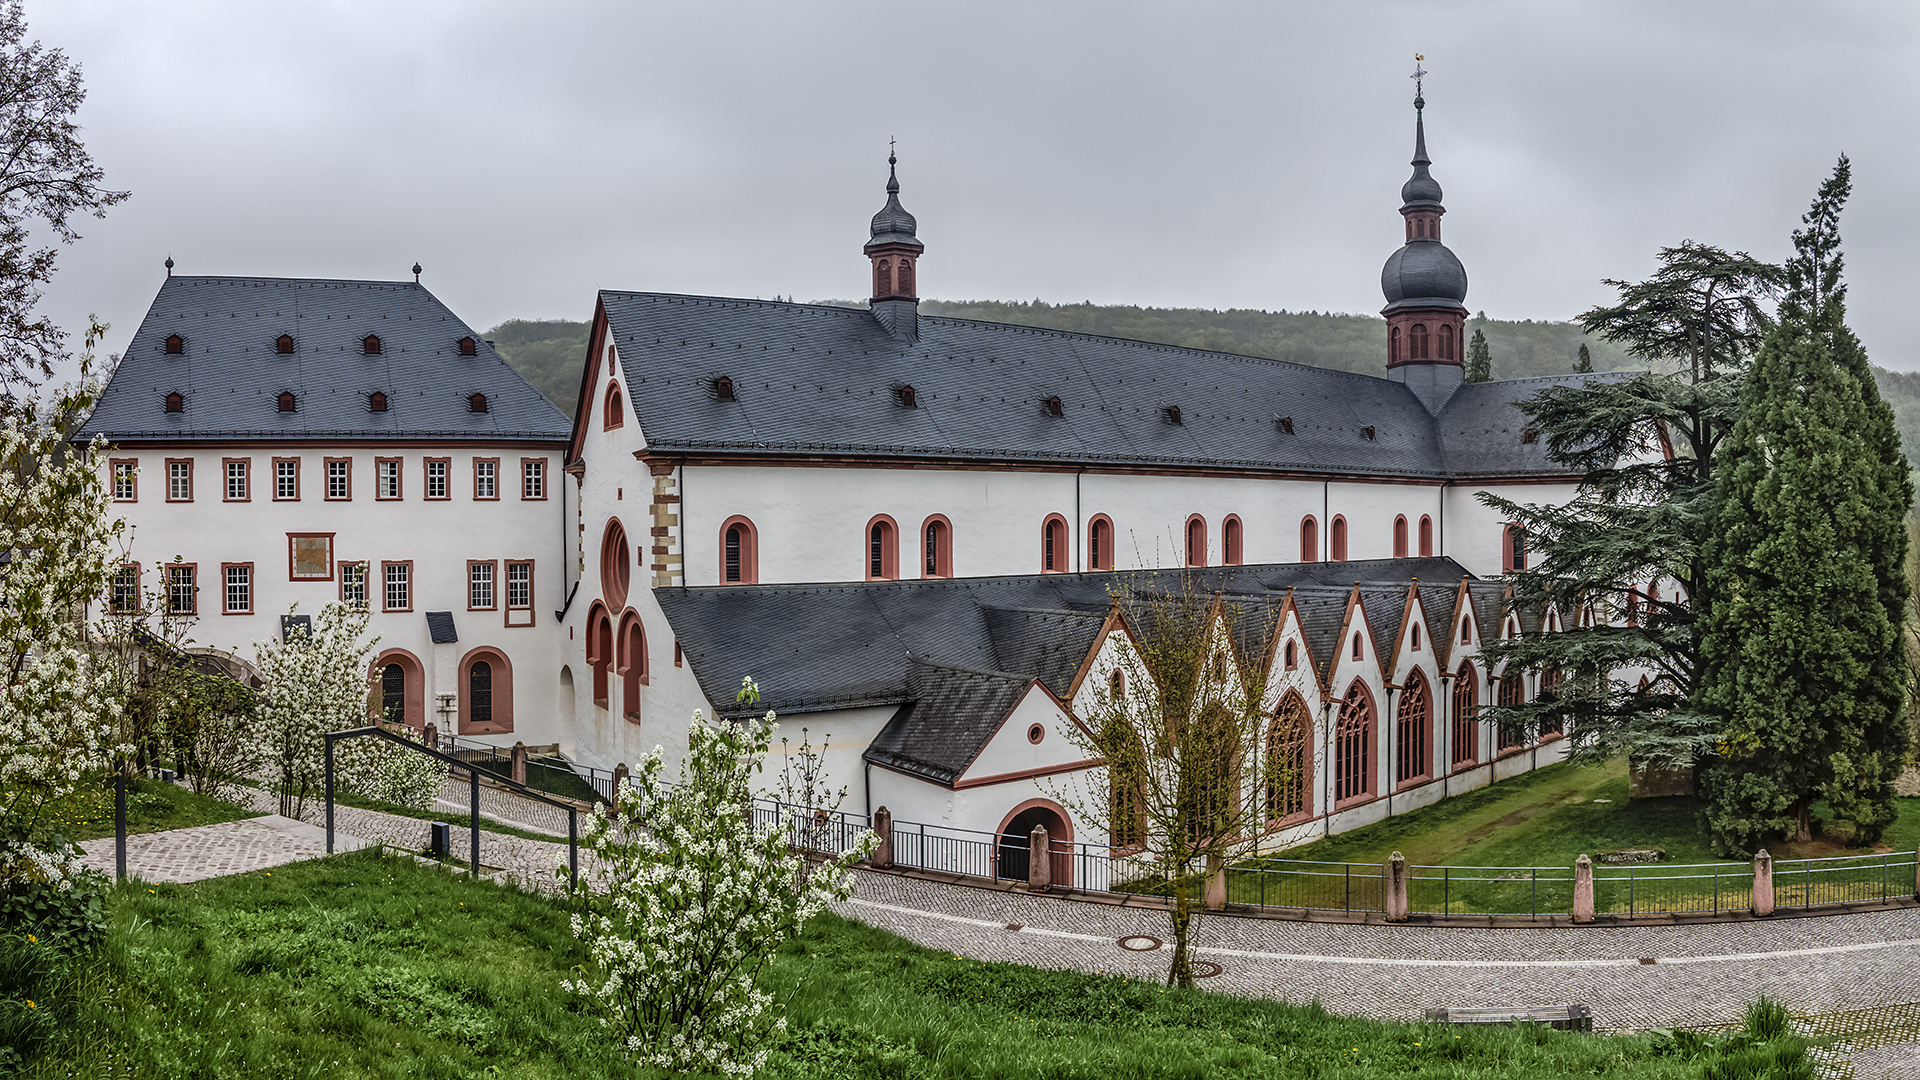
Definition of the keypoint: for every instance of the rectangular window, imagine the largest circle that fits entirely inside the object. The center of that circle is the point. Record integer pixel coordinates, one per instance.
(126, 485)
(339, 478)
(386, 478)
(239, 581)
(239, 487)
(437, 469)
(353, 583)
(182, 591)
(179, 479)
(125, 597)
(397, 579)
(286, 479)
(310, 556)
(486, 478)
(519, 585)
(480, 586)
(533, 478)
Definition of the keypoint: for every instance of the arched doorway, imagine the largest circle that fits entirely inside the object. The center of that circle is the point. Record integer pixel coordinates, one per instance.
(1012, 857)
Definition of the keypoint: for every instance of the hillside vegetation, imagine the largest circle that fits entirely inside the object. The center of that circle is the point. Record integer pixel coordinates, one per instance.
(550, 352)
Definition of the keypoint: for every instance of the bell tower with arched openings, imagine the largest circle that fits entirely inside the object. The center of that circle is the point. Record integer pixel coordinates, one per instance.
(894, 250)
(1425, 286)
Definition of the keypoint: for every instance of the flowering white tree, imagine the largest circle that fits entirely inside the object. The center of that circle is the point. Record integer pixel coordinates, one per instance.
(58, 708)
(317, 681)
(691, 900)
(381, 770)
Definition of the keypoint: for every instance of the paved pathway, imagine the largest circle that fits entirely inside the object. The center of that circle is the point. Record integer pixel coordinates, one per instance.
(233, 847)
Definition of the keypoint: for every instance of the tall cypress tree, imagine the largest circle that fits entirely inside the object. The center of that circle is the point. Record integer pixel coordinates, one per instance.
(1479, 359)
(1583, 366)
(1802, 655)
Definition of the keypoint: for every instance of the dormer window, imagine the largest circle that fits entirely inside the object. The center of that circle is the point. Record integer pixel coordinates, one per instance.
(468, 347)
(1173, 414)
(1054, 407)
(1530, 436)
(906, 397)
(1286, 424)
(176, 403)
(175, 345)
(283, 344)
(723, 388)
(376, 402)
(370, 345)
(476, 403)
(1367, 433)
(287, 403)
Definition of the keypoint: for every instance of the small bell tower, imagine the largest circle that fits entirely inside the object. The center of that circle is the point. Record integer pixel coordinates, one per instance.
(894, 250)
(1424, 283)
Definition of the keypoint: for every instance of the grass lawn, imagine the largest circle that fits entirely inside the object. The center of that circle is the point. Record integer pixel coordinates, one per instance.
(87, 814)
(370, 965)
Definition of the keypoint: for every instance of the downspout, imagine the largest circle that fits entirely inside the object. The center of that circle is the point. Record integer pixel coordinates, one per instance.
(1392, 723)
(681, 528)
(866, 784)
(1442, 549)
(1079, 526)
(1326, 763)
(1324, 541)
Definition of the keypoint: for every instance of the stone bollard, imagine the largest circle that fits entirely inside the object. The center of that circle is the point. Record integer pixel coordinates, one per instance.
(519, 762)
(1762, 883)
(433, 736)
(882, 856)
(619, 785)
(1217, 888)
(1583, 890)
(1396, 870)
(1039, 859)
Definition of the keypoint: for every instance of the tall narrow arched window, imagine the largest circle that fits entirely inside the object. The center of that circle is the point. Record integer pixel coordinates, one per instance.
(1353, 745)
(615, 413)
(1400, 537)
(633, 666)
(1413, 749)
(1100, 543)
(1466, 716)
(1288, 759)
(1309, 539)
(883, 549)
(1419, 336)
(1117, 685)
(883, 278)
(1359, 647)
(1513, 548)
(393, 693)
(1393, 345)
(1446, 342)
(936, 547)
(1292, 655)
(1426, 536)
(1054, 556)
(480, 692)
(1339, 545)
(599, 650)
(1232, 552)
(1512, 695)
(739, 552)
(903, 278)
(1196, 541)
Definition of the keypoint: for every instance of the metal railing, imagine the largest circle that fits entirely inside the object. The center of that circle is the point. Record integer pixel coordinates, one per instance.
(1637, 889)
(1842, 879)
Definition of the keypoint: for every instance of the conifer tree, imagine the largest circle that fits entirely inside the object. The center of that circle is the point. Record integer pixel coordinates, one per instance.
(1479, 360)
(1803, 663)
(1584, 366)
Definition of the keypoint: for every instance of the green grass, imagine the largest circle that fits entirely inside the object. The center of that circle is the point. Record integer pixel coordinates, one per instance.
(371, 965)
(152, 806)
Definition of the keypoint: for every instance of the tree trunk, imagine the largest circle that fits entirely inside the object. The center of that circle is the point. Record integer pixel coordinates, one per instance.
(1181, 973)
(1802, 823)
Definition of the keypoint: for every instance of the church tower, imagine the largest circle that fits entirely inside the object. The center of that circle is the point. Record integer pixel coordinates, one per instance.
(1425, 287)
(895, 251)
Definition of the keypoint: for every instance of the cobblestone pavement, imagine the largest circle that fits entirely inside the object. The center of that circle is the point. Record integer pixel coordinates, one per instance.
(233, 847)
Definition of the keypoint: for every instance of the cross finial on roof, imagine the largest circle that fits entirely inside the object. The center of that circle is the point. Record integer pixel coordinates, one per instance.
(1419, 81)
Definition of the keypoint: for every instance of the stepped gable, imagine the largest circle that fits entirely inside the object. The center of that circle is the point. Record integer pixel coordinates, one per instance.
(1483, 432)
(953, 716)
(231, 374)
(811, 380)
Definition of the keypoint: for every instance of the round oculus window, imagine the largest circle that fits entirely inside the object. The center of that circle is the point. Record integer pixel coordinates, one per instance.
(1036, 733)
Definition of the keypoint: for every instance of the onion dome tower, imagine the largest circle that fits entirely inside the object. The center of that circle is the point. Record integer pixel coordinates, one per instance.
(895, 250)
(1425, 286)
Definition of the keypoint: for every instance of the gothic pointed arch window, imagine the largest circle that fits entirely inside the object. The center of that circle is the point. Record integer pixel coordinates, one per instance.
(1414, 731)
(1353, 745)
(1466, 716)
(1419, 335)
(1512, 694)
(1289, 758)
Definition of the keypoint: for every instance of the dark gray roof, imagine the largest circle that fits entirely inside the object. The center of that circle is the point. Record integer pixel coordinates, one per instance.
(440, 627)
(1421, 189)
(813, 380)
(1485, 434)
(231, 375)
(1423, 273)
(893, 225)
(956, 650)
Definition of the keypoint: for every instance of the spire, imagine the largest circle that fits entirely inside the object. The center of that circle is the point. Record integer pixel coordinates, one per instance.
(894, 250)
(893, 225)
(1421, 189)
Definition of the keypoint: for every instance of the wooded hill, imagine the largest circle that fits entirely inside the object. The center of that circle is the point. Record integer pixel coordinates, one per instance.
(550, 352)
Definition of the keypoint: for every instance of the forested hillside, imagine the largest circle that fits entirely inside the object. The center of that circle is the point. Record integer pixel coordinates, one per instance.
(549, 352)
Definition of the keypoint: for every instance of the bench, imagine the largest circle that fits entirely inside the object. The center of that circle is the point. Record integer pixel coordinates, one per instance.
(1564, 1017)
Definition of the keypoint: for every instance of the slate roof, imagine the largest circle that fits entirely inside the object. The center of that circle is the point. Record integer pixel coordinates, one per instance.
(954, 655)
(814, 380)
(231, 374)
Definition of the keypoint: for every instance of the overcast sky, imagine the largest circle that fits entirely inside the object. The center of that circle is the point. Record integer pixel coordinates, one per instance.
(1167, 154)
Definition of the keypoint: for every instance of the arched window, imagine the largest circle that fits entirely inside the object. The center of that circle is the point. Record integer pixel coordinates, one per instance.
(1293, 655)
(1359, 647)
(393, 693)
(175, 345)
(486, 704)
(476, 403)
(1419, 336)
(1550, 683)
(1400, 537)
(1466, 716)
(1231, 553)
(739, 552)
(1196, 541)
(468, 347)
(1100, 543)
(903, 278)
(1288, 757)
(616, 564)
(1466, 629)
(1054, 556)
(883, 278)
(936, 547)
(600, 651)
(283, 344)
(1309, 539)
(1512, 695)
(370, 345)
(1414, 731)
(399, 688)
(1446, 342)
(1426, 536)
(287, 402)
(1513, 548)
(883, 549)
(1117, 685)
(1393, 345)
(1416, 637)
(613, 414)
(176, 402)
(1339, 553)
(633, 665)
(1353, 745)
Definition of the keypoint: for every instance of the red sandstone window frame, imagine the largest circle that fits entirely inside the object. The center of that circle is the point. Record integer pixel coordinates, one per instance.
(1413, 748)
(326, 480)
(295, 462)
(1309, 539)
(1232, 541)
(613, 408)
(880, 552)
(446, 479)
(936, 547)
(1099, 555)
(499, 692)
(1354, 782)
(343, 569)
(1055, 558)
(226, 479)
(1426, 536)
(1338, 541)
(1465, 741)
(226, 588)
(132, 591)
(495, 462)
(746, 554)
(1400, 536)
(380, 482)
(516, 614)
(1513, 542)
(1195, 536)
(193, 588)
(533, 476)
(412, 585)
(132, 477)
(493, 584)
(188, 462)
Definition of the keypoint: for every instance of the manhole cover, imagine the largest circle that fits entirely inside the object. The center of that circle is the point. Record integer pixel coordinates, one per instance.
(1206, 969)
(1139, 943)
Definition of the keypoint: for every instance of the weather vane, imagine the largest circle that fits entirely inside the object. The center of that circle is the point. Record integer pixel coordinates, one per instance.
(1418, 77)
